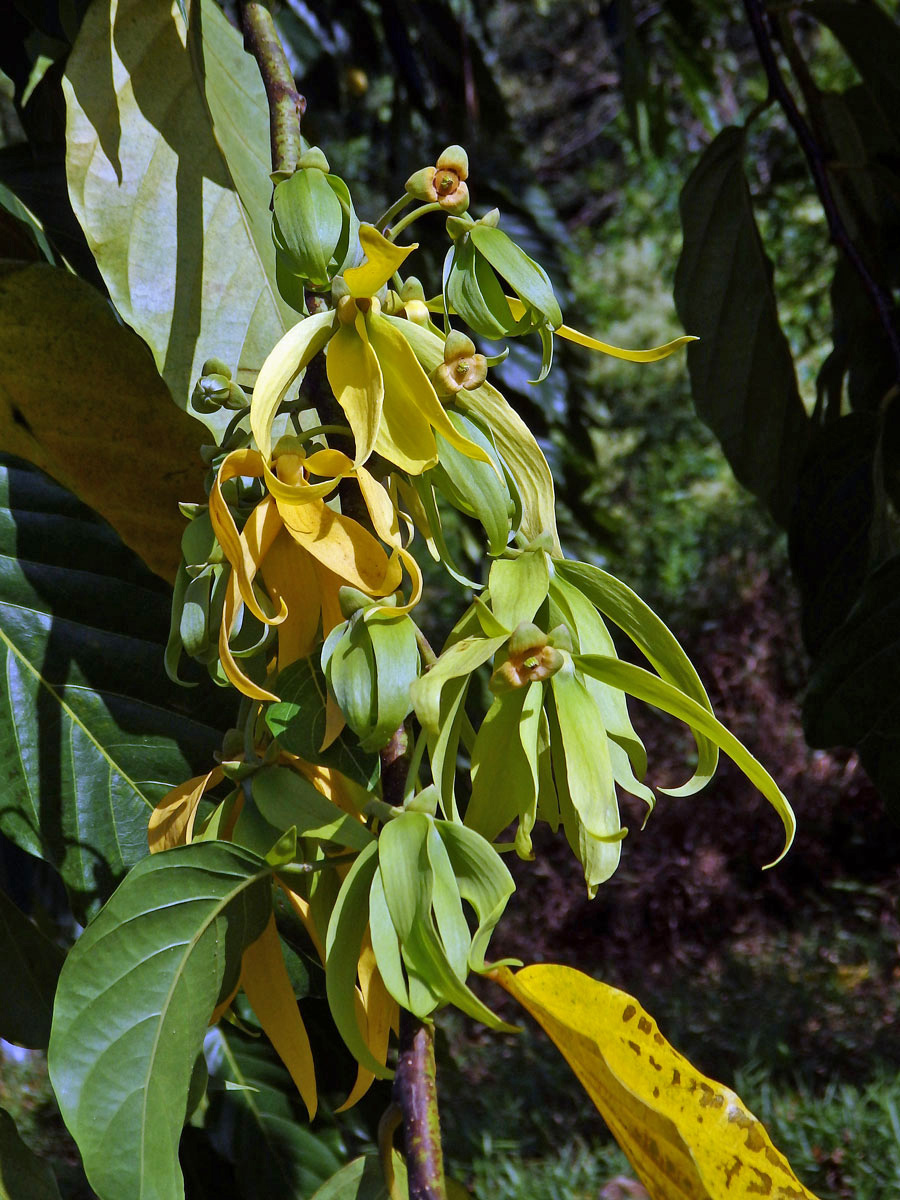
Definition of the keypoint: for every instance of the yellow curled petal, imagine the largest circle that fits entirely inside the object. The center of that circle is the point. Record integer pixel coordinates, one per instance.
(297, 493)
(342, 545)
(265, 981)
(291, 580)
(172, 820)
(291, 355)
(380, 507)
(355, 378)
(245, 550)
(582, 339)
(383, 258)
(229, 612)
(329, 462)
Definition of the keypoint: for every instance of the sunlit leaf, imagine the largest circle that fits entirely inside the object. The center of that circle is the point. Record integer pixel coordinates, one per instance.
(687, 1137)
(168, 169)
(131, 1011)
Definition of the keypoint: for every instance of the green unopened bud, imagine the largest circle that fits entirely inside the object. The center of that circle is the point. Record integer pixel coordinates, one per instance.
(458, 227)
(313, 157)
(211, 392)
(237, 398)
(215, 366)
(462, 366)
(491, 219)
(412, 289)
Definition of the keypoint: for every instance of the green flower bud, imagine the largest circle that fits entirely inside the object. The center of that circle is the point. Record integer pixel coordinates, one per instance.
(215, 366)
(211, 392)
(454, 158)
(313, 157)
(315, 229)
(421, 185)
(237, 398)
(412, 289)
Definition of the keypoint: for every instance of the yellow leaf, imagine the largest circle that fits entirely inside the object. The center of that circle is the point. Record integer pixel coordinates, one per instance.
(172, 821)
(383, 258)
(265, 980)
(687, 1137)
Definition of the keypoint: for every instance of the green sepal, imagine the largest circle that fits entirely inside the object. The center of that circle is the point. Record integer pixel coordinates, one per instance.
(396, 651)
(527, 278)
(193, 628)
(307, 224)
(504, 765)
(479, 489)
(474, 293)
(174, 645)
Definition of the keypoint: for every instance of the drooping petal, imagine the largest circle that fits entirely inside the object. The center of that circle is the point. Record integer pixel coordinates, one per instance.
(654, 354)
(385, 520)
(291, 355)
(412, 409)
(237, 677)
(265, 981)
(383, 258)
(356, 380)
(342, 545)
(291, 579)
(172, 821)
(244, 550)
(379, 1011)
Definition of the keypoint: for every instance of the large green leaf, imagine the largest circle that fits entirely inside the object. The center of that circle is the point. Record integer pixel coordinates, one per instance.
(22, 1174)
(168, 162)
(31, 965)
(81, 399)
(742, 373)
(92, 734)
(134, 1001)
(260, 1124)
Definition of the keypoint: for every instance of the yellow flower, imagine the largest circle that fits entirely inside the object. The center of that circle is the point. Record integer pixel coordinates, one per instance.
(387, 397)
(303, 551)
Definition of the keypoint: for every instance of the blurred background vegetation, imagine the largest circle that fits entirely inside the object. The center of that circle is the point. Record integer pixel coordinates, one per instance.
(582, 120)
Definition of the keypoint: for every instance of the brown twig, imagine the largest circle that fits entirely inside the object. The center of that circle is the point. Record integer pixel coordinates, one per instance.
(286, 105)
(816, 158)
(415, 1094)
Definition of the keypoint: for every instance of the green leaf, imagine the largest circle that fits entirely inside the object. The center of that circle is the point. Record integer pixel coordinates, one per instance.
(345, 933)
(853, 687)
(286, 799)
(474, 293)
(168, 169)
(742, 374)
(31, 966)
(518, 587)
(361, 1179)
(298, 721)
(616, 601)
(134, 1000)
(477, 488)
(872, 40)
(23, 1176)
(457, 661)
(24, 236)
(259, 1124)
(92, 733)
(82, 400)
(652, 690)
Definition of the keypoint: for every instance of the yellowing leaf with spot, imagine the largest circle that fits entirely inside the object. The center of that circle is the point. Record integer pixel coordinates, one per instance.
(265, 979)
(687, 1137)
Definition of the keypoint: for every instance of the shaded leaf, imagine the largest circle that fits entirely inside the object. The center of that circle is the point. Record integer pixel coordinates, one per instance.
(92, 734)
(687, 1137)
(260, 1125)
(742, 373)
(31, 966)
(82, 400)
(134, 1001)
(168, 164)
(23, 1176)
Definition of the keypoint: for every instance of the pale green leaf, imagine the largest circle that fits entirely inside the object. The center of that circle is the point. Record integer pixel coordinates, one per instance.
(504, 778)
(526, 277)
(458, 660)
(518, 587)
(134, 1001)
(168, 169)
(482, 879)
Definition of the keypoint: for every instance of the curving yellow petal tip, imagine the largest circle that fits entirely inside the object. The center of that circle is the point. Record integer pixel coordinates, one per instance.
(383, 258)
